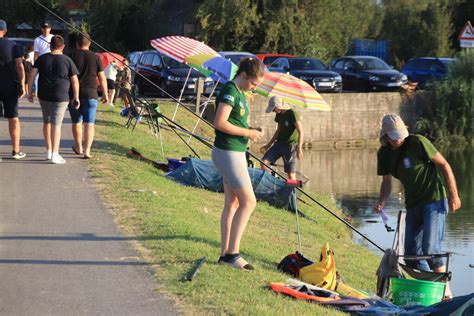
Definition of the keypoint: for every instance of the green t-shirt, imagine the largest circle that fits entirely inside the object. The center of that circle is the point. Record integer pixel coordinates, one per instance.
(412, 165)
(230, 95)
(288, 133)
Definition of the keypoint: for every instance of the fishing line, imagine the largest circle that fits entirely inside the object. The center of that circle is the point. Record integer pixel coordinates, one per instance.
(212, 126)
(202, 140)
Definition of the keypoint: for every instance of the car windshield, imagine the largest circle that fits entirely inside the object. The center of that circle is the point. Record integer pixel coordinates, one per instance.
(307, 64)
(171, 63)
(372, 64)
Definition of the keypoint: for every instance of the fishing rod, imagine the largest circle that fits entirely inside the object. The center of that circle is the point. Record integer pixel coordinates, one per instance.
(207, 143)
(212, 126)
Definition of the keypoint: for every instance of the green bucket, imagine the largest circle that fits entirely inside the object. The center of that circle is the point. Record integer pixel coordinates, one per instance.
(416, 292)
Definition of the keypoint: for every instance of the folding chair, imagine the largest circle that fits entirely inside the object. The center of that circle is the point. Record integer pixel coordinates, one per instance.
(393, 263)
(142, 109)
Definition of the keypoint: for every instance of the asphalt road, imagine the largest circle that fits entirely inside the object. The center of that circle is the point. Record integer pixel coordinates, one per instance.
(60, 250)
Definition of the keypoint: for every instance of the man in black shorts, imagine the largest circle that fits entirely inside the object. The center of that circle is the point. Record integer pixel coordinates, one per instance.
(287, 141)
(12, 86)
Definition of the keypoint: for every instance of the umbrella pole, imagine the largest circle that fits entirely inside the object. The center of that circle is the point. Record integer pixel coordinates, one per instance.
(181, 94)
(204, 109)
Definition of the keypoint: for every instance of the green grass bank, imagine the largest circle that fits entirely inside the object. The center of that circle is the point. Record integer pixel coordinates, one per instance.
(174, 226)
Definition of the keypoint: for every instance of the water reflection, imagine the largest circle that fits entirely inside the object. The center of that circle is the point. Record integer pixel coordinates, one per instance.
(350, 177)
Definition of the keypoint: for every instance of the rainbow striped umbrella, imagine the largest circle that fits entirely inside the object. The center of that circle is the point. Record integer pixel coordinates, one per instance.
(196, 62)
(180, 47)
(223, 68)
(292, 90)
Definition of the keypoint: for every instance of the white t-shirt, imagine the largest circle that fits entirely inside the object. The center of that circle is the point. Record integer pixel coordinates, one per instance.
(111, 72)
(42, 44)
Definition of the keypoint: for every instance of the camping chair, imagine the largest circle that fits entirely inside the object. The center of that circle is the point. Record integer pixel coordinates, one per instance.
(145, 111)
(393, 264)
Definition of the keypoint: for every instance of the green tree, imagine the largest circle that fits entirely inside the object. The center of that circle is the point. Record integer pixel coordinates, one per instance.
(229, 24)
(417, 28)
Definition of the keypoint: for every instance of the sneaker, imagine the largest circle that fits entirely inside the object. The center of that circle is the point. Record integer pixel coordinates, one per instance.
(112, 105)
(57, 159)
(18, 155)
(49, 155)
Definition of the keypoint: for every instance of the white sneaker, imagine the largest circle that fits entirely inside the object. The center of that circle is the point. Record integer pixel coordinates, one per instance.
(49, 155)
(18, 155)
(57, 159)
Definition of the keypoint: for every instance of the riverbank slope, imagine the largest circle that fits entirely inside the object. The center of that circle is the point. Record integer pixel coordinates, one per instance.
(174, 226)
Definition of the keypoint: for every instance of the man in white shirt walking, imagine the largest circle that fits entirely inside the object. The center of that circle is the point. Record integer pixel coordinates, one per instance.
(42, 46)
(43, 42)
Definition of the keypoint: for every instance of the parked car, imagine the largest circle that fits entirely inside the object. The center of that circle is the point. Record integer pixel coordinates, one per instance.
(22, 42)
(167, 73)
(235, 57)
(367, 73)
(311, 70)
(133, 57)
(425, 69)
(268, 59)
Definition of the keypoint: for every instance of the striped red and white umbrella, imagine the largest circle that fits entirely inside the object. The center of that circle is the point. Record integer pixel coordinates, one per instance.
(292, 90)
(180, 47)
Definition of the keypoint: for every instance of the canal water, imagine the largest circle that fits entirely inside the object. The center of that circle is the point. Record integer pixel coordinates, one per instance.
(349, 176)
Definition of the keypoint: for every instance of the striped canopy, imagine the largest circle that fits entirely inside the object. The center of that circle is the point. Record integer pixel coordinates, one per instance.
(180, 47)
(292, 90)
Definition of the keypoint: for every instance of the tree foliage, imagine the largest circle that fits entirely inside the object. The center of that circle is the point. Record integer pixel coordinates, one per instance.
(453, 120)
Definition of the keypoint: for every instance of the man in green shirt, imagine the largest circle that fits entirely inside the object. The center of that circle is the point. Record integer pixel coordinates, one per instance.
(287, 141)
(417, 164)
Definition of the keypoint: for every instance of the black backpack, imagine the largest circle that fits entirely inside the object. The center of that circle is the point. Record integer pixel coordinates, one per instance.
(293, 262)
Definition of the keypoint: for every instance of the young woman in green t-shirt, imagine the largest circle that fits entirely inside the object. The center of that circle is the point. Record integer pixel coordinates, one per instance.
(232, 135)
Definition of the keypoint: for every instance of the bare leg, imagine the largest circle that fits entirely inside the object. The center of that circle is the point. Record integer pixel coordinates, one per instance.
(292, 175)
(111, 96)
(77, 134)
(88, 138)
(230, 206)
(447, 292)
(14, 129)
(47, 135)
(126, 102)
(247, 203)
(263, 167)
(55, 137)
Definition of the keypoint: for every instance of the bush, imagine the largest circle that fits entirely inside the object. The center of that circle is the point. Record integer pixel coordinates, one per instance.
(452, 122)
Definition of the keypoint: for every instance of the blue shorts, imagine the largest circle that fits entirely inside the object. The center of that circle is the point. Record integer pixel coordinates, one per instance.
(424, 233)
(285, 151)
(86, 111)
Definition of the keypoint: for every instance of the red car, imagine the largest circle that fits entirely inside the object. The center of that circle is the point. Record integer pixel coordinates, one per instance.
(267, 59)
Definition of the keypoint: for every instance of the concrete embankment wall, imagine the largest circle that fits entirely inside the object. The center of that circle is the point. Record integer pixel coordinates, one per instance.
(353, 122)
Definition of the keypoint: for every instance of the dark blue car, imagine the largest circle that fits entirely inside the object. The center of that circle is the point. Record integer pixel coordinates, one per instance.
(425, 69)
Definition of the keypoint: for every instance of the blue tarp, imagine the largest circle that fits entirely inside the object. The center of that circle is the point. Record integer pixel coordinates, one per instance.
(203, 174)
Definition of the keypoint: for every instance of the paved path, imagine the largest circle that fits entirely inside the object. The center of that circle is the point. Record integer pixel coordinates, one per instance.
(60, 251)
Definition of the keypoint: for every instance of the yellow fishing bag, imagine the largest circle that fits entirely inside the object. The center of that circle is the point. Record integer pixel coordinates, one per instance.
(322, 273)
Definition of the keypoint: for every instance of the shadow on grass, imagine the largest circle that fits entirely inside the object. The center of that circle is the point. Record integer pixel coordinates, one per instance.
(109, 124)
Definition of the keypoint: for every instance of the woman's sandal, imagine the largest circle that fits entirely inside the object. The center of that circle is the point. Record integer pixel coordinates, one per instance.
(236, 261)
(75, 151)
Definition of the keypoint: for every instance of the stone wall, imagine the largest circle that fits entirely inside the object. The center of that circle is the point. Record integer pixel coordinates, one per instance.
(354, 120)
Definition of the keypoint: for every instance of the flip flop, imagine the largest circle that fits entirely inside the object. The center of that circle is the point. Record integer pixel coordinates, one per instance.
(75, 151)
(237, 262)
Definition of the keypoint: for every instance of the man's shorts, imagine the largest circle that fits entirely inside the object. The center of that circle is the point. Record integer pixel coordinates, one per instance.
(86, 111)
(285, 151)
(53, 112)
(110, 84)
(10, 103)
